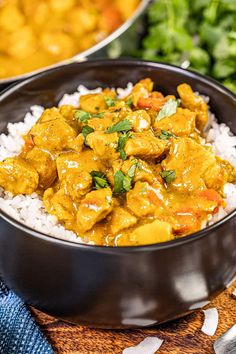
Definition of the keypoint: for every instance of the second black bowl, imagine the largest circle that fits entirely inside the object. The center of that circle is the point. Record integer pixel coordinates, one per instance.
(115, 287)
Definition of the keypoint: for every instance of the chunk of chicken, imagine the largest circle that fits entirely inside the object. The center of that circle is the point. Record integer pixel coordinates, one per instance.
(77, 184)
(181, 123)
(72, 161)
(77, 144)
(140, 120)
(194, 165)
(93, 208)
(155, 232)
(50, 114)
(104, 145)
(44, 163)
(145, 145)
(53, 135)
(18, 176)
(141, 89)
(142, 200)
(93, 102)
(194, 103)
(60, 205)
(121, 219)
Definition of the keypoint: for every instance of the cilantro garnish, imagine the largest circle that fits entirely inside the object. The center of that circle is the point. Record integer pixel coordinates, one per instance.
(122, 182)
(121, 144)
(168, 109)
(129, 102)
(99, 180)
(122, 126)
(165, 135)
(168, 175)
(82, 116)
(85, 131)
(110, 102)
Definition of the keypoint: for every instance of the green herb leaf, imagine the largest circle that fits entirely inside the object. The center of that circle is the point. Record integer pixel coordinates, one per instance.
(82, 116)
(165, 135)
(121, 144)
(168, 109)
(122, 182)
(110, 102)
(129, 102)
(99, 180)
(118, 182)
(127, 183)
(168, 175)
(98, 115)
(122, 126)
(85, 131)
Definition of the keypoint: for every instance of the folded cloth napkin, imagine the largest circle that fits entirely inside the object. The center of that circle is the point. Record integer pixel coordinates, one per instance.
(19, 334)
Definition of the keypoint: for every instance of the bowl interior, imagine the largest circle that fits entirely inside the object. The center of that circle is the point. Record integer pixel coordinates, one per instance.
(47, 88)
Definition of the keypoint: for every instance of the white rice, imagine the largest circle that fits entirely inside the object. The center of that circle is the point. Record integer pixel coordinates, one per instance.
(29, 209)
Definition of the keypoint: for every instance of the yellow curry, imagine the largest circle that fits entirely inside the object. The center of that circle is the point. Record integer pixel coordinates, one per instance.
(125, 171)
(37, 33)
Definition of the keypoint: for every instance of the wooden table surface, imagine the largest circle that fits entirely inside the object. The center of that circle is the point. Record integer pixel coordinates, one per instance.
(181, 336)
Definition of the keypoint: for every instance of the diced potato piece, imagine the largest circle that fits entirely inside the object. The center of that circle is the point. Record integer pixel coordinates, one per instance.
(138, 201)
(54, 135)
(155, 232)
(18, 176)
(77, 144)
(181, 123)
(121, 219)
(93, 208)
(72, 161)
(59, 204)
(194, 103)
(44, 164)
(104, 145)
(145, 145)
(68, 113)
(77, 184)
(140, 120)
(195, 166)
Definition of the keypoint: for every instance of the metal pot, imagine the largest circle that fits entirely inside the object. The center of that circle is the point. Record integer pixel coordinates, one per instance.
(97, 51)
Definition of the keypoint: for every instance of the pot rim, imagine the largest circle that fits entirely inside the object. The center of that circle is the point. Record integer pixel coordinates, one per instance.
(80, 57)
(113, 249)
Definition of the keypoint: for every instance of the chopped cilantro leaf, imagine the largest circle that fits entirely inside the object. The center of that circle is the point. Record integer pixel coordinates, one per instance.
(98, 115)
(164, 135)
(121, 144)
(168, 109)
(168, 175)
(85, 131)
(118, 182)
(122, 126)
(99, 180)
(82, 116)
(110, 102)
(127, 183)
(129, 102)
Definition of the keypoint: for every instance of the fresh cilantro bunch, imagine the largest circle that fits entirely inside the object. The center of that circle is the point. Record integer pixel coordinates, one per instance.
(199, 35)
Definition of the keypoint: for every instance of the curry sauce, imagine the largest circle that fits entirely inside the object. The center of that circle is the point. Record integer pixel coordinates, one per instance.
(128, 171)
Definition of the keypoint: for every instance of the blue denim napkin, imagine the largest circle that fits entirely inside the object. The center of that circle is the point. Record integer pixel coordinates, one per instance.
(19, 334)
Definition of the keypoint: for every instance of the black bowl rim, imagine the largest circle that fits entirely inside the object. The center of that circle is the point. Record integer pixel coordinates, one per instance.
(113, 249)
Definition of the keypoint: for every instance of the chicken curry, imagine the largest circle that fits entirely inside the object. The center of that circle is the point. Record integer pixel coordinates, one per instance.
(38, 33)
(128, 171)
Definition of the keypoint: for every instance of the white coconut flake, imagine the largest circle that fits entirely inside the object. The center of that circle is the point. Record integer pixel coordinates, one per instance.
(210, 321)
(148, 346)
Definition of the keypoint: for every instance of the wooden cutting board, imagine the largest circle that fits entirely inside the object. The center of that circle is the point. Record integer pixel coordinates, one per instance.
(181, 336)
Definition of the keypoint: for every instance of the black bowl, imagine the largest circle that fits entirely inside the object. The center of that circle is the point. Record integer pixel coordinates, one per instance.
(115, 287)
